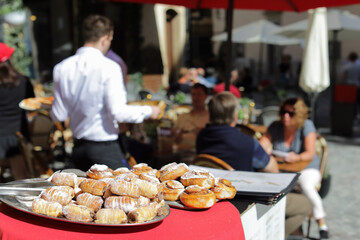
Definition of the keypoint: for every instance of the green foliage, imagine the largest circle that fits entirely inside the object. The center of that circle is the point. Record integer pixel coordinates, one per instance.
(245, 101)
(136, 77)
(180, 97)
(245, 105)
(8, 6)
(13, 36)
(282, 93)
(241, 114)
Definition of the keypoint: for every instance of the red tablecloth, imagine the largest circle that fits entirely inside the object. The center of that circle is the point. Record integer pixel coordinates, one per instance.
(222, 221)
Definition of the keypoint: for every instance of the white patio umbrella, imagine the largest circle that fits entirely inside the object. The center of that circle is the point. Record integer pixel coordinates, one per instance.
(314, 76)
(260, 31)
(341, 25)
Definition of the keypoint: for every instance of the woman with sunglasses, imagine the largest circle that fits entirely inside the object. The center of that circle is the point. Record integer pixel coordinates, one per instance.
(295, 135)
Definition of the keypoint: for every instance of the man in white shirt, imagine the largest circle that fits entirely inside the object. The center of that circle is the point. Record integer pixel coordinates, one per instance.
(88, 89)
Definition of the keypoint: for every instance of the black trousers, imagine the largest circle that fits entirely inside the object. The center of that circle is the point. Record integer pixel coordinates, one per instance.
(87, 153)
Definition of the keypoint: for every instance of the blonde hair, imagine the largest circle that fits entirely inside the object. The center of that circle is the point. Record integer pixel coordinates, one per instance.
(300, 109)
(222, 108)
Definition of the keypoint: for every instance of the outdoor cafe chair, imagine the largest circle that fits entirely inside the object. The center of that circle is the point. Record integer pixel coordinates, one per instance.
(42, 129)
(269, 114)
(36, 164)
(207, 160)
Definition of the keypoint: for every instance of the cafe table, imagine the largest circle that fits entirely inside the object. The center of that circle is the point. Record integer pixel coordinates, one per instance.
(221, 221)
(258, 128)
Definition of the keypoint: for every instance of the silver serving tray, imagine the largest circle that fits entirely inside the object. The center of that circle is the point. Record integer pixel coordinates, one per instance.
(23, 200)
(180, 205)
(32, 187)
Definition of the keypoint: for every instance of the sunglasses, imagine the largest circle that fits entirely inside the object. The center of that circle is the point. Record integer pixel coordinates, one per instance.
(283, 112)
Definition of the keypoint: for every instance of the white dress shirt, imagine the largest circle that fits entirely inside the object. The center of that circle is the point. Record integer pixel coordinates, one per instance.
(88, 88)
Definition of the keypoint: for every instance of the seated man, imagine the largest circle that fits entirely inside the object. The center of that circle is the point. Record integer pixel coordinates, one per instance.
(189, 124)
(220, 138)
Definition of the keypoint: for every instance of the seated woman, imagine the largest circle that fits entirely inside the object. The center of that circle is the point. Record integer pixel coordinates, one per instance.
(296, 135)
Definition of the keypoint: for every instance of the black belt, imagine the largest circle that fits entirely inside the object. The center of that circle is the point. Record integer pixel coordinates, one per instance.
(82, 141)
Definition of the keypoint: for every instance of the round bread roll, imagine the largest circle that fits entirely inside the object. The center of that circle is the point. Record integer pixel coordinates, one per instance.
(199, 177)
(197, 197)
(172, 190)
(223, 189)
(121, 170)
(142, 168)
(172, 171)
(128, 177)
(99, 171)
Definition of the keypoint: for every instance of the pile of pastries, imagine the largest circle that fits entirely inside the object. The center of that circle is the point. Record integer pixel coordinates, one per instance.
(123, 196)
(193, 188)
(36, 102)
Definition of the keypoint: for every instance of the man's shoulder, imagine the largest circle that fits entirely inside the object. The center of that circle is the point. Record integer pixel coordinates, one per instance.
(64, 65)
(67, 60)
(110, 64)
(228, 131)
